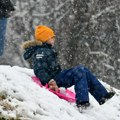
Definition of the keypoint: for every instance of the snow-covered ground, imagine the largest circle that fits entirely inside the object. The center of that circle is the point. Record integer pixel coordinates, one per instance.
(21, 98)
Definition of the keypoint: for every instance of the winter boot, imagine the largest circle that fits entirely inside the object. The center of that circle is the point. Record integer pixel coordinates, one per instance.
(83, 105)
(106, 97)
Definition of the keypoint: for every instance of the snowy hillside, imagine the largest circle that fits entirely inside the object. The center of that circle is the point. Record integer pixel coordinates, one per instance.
(21, 98)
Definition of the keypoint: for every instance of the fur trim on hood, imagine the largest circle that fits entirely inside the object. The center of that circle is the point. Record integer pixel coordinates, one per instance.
(31, 43)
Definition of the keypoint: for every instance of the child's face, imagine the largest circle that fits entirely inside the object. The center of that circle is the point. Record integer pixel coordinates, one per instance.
(51, 41)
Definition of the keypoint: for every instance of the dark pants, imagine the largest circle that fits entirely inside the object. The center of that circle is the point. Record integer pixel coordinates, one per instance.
(84, 81)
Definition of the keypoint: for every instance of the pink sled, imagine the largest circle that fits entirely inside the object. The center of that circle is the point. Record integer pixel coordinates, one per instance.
(67, 95)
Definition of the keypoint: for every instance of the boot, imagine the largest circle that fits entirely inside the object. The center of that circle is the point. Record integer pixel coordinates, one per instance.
(83, 105)
(106, 97)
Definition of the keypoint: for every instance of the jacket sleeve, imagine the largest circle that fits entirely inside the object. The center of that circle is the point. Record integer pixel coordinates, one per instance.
(41, 67)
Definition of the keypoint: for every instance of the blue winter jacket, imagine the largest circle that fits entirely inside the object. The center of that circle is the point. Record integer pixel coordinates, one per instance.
(44, 59)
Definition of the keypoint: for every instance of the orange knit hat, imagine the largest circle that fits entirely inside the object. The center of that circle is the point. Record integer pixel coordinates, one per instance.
(43, 33)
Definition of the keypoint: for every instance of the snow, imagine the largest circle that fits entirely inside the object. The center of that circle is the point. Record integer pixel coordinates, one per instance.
(60, 18)
(106, 10)
(109, 66)
(118, 60)
(62, 4)
(98, 53)
(27, 101)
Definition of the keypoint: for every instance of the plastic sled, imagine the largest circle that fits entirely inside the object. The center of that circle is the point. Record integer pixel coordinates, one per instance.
(67, 95)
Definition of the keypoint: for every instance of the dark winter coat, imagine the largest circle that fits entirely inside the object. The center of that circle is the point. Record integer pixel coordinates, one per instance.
(5, 8)
(44, 59)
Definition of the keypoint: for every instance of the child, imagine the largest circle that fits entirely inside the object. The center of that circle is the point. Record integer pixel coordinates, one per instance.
(48, 70)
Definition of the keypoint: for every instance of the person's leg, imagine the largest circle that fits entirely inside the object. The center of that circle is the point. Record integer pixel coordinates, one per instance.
(85, 81)
(3, 22)
(95, 87)
(74, 76)
(81, 86)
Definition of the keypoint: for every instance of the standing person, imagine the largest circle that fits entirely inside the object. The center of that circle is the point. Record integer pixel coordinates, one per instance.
(5, 8)
(48, 70)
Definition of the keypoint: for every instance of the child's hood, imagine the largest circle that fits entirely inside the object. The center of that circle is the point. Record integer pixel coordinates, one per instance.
(31, 43)
(30, 47)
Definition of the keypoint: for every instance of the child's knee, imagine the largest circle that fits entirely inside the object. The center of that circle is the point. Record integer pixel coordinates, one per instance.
(79, 69)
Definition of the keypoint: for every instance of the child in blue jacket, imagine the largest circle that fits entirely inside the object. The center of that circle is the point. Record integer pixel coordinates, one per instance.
(48, 70)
